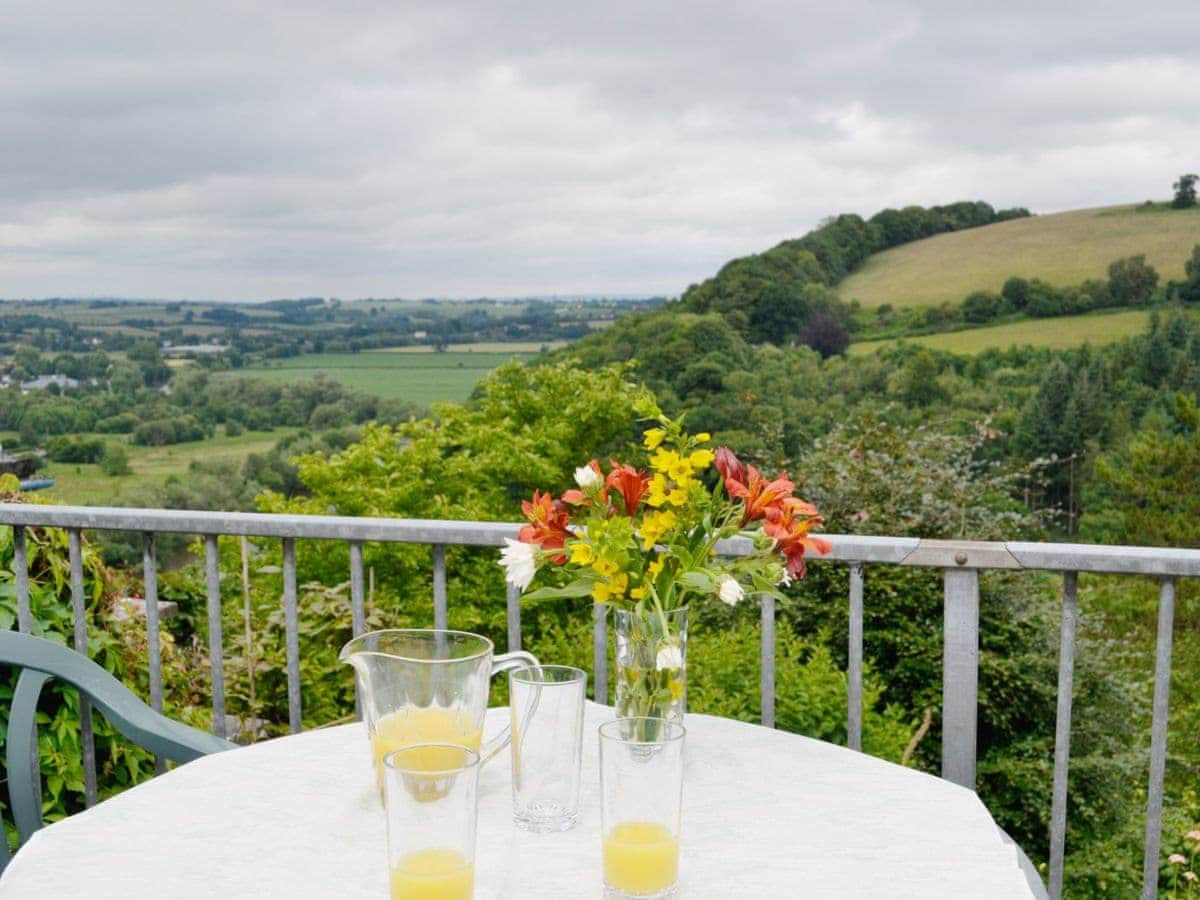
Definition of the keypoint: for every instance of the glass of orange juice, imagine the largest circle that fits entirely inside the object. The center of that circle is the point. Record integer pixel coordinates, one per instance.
(641, 790)
(430, 795)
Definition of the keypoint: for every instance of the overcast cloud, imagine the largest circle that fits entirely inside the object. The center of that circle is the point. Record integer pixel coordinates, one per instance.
(397, 149)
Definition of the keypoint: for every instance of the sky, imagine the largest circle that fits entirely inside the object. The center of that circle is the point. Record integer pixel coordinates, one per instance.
(248, 151)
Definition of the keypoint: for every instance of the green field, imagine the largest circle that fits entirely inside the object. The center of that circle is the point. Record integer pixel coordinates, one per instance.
(416, 374)
(1063, 249)
(1057, 333)
(86, 485)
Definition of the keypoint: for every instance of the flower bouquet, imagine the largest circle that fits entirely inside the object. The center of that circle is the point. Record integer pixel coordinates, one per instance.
(645, 543)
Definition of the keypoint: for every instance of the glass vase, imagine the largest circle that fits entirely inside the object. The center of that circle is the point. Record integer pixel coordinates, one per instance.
(651, 669)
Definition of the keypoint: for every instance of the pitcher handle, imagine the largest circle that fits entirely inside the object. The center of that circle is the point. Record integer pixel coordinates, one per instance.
(503, 663)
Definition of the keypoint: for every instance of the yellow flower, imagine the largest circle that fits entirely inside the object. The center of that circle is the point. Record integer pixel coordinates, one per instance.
(606, 567)
(581, 553)
(680, 471)
(654, 437)
(663, 460)
(703, 437)
(603, 591)
(654, 568)
(678, 497)
(675, 686)
(701, 459)
(637, 593)
(658, 491)
(655, 525)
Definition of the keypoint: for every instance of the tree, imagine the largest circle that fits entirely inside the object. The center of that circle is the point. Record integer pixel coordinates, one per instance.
(1185, 191)
(1016, 292)
(825, 334)
(115, 460)
(918, 383)
(1147, 479)
(981, 306)
(1131, 281)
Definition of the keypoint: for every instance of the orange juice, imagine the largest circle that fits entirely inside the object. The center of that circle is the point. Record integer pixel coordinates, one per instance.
(640, 857)
(433, 875)
(425, 725)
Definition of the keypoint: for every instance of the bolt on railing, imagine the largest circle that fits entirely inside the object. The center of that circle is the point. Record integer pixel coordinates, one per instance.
(960, 562)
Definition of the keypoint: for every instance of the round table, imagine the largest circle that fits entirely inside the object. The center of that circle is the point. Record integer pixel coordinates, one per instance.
(765, 814)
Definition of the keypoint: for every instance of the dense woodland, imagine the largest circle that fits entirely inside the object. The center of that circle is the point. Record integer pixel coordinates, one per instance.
(1095, 444)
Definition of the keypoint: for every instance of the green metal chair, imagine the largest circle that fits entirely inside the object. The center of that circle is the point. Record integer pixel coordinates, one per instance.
(40, 660)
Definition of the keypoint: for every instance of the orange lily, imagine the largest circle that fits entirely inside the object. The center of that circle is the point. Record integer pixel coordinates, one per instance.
(548, 519)
(759, 495)
(631, 483)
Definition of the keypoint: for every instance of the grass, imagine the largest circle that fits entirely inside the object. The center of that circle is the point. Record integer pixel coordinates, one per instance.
(503, 347)
(415, 374)
(1057, 333)
(86, 485)
(1062, 249)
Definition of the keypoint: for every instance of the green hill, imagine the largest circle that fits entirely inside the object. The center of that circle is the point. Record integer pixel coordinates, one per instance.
(1062, 249)
(1057, 333)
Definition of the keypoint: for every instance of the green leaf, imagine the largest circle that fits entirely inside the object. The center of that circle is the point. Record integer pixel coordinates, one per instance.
(700, 582)
(574, 589)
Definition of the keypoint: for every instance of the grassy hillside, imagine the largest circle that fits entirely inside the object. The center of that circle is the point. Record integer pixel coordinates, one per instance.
(1057, 333)
(1062, 249)
(88, 486)
(415, 374)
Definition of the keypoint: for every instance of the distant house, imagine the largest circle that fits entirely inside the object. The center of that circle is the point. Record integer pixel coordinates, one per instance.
(44, 381)
(187, 349)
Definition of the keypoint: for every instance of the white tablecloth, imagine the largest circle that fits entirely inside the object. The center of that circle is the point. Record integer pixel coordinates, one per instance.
(766, 814)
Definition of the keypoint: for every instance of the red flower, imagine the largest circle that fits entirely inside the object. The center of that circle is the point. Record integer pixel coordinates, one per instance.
(548, 519)
(759, 495)
(788, 523)
(631, 483)
(729, 465)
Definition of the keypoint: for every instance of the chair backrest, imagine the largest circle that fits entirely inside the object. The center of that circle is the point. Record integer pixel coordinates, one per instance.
(40, 660)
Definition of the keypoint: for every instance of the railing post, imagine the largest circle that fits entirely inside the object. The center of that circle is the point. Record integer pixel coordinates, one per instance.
(216, 642)
(79, 610)
(440, 613)
(767, 659)
(854, 686)
(513, 597)
(292, 625)
(153, 650)
(1062, 732)
(150, 597)
(1158, 737)
(21, 570)
(960, 675)
(358, 609)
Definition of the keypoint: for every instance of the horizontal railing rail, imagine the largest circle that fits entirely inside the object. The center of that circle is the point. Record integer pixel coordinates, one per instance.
(960, 562)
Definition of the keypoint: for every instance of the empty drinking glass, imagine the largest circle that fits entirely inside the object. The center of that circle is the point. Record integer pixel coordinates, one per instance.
(546, 708)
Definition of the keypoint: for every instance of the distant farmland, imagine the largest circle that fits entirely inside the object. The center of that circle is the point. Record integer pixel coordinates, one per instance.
(1063, 249)
(415, 374)
(1056, 333)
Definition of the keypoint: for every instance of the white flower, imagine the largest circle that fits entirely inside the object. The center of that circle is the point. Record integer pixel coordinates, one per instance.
(670, 656)
(729, 590)
(588, 478)
(519, 563)
(1177, 859)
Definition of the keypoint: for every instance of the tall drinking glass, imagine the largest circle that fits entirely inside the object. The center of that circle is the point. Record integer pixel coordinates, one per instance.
(641, 790)
(430, 794)
(546, 706)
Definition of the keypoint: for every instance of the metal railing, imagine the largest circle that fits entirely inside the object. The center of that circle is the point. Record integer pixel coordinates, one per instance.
(960, 562)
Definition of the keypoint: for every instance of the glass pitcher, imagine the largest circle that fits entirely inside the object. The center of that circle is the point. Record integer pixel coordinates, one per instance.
(426, 686)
